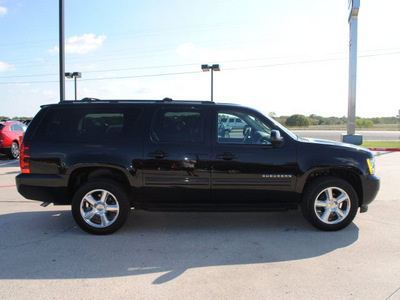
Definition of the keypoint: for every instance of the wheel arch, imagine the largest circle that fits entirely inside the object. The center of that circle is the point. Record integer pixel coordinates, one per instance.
(88, 173)
(350, 175)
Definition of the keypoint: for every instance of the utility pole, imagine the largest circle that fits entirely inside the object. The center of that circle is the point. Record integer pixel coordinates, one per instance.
(61, 49)
(351, 137)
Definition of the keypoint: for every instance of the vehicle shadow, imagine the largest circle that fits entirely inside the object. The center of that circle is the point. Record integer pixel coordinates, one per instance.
(5, 162)
(3, 157)
(48, 245)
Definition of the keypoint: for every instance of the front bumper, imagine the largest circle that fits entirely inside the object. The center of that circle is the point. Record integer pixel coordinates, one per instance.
(371, 187)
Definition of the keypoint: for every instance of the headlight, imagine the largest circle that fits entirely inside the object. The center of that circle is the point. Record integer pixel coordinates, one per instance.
(371, 165)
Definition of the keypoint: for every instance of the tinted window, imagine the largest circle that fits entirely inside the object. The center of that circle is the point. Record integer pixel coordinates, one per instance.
(178, 126)
(86, 124)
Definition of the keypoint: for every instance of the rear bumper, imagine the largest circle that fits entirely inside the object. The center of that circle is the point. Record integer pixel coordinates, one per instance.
(46, 188)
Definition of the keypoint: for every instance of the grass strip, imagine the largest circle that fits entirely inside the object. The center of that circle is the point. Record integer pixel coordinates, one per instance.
(381, 144)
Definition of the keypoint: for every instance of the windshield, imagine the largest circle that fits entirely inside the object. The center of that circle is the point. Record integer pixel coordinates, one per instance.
(284, 129)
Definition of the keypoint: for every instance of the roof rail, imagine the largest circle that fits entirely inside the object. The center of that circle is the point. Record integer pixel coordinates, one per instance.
(88, 99)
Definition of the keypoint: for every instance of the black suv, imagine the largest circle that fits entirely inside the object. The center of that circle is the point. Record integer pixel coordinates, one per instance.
(104, 157)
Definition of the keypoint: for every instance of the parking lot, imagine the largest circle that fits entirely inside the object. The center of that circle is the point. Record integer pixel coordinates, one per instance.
(159, 255)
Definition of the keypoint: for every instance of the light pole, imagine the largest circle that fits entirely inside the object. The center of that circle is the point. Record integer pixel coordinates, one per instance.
(74, 75)
(213, 68)
(62, 52)
(351, 137)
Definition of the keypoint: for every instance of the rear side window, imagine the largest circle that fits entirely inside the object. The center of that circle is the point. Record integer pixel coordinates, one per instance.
(181, 126)
(17, 127)
(14, 127)
(86, 124)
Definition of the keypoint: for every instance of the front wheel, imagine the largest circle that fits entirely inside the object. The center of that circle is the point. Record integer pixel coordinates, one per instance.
(329, 203)
(100, 206)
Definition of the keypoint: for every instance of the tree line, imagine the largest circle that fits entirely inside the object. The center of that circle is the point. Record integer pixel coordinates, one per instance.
(298, 120)
(4, 118)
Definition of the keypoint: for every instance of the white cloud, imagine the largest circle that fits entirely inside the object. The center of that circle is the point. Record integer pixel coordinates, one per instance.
(81, 44)
(185, 49)
(6, 67)
(3, 11)
(111, 89)
(50, 94)
(34, 91)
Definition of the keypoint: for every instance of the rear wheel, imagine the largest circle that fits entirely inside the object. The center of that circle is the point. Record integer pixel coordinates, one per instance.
(14, 150)
(100, 206)
(329, 203)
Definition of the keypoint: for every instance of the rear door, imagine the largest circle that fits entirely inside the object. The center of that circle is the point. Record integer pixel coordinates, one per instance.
(16, 131)
(176, 165)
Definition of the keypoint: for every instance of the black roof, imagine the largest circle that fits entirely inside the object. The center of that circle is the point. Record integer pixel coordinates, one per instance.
(127, 101)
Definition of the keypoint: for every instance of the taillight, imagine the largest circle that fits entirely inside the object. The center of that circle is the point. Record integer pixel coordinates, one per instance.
(24, 157)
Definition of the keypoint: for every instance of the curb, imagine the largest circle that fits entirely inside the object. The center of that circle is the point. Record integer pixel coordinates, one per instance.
(384, 149)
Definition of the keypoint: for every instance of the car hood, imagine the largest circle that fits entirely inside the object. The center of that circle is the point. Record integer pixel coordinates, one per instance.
(334, 144)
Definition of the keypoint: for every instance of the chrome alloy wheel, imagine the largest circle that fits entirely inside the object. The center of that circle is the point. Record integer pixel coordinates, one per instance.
(99, 208)
(14, 150)
(332, 205)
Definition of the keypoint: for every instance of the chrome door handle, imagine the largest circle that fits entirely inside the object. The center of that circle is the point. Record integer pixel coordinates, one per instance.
(158, 154)
(226, 156)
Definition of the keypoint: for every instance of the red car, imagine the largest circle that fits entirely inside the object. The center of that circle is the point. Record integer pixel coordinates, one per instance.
(11, 133)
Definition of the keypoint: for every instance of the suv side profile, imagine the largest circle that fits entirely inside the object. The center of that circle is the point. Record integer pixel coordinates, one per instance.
(104, 157)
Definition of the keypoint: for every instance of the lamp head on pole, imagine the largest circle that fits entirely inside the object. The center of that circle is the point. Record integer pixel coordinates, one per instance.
(74, 74)
(215, 68)
(205, 68)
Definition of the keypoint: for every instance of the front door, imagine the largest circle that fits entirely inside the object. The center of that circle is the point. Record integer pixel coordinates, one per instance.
(246, 167)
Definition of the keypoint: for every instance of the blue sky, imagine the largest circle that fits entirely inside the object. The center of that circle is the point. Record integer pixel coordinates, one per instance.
(285, 56)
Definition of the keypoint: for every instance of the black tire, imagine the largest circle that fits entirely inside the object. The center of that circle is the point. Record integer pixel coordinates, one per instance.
(329, 203)
(14, 150)
(100, 206)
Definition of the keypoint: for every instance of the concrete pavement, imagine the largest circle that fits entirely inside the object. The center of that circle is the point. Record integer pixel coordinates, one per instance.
(43, 254)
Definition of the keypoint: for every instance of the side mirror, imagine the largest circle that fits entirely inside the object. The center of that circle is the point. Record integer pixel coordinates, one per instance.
(276, 138)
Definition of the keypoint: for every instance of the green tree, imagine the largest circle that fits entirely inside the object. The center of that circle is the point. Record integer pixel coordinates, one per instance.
(297, 121)
(364, 123)
(377, 120)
